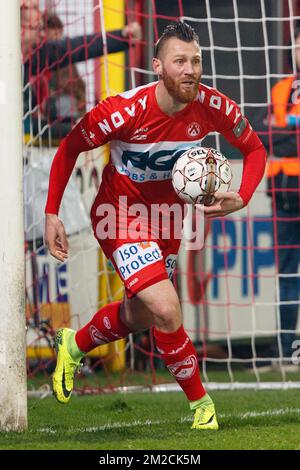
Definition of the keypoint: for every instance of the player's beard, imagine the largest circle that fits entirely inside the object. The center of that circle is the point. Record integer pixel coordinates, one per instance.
(174, 88)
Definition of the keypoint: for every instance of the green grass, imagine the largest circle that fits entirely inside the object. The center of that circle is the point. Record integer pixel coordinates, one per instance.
(151, 421)
(214, 373)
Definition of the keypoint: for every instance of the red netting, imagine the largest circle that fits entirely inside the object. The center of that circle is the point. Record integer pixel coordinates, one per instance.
(238, 294)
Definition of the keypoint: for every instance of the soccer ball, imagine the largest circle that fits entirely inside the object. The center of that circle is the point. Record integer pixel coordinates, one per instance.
(199, 173)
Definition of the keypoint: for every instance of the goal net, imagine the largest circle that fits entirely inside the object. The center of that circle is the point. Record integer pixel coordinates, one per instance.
(229, 291)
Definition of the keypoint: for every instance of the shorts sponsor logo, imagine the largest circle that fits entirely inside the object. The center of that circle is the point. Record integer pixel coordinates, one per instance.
(170, 264)
(184, 369)
(131, 258)
(97, 337)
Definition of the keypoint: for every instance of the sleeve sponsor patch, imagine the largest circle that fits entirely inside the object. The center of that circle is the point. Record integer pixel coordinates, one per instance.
(240, 127)
(88, 137)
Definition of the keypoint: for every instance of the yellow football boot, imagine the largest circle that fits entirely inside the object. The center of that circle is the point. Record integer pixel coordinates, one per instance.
(205, 418)
(66, 366)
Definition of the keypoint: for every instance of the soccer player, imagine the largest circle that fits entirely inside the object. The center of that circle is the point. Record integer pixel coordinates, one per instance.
(148, 128)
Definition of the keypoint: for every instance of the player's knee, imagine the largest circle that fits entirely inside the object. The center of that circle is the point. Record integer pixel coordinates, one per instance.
(168, 317)
(135, 315)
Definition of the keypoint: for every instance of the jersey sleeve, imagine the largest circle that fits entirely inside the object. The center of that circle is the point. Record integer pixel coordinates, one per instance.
(97, 126)
(238, 132)
(235, 127)
(95, 129)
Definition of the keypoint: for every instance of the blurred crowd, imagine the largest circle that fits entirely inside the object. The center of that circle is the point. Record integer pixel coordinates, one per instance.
(54, 92)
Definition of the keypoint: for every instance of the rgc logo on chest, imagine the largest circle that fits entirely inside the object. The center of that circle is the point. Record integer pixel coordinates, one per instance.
(132, 257)
(163, 160)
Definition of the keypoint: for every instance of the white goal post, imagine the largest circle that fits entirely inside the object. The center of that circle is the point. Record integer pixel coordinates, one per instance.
(13, 392)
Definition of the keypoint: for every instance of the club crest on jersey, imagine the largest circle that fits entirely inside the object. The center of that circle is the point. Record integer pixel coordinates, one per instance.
(193, 129)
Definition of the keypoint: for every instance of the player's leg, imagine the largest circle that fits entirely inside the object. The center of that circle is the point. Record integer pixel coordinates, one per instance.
(160, 304)
(155, 302)
(107, 325)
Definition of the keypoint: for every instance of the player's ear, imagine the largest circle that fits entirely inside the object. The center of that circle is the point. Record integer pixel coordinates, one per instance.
(157, 66)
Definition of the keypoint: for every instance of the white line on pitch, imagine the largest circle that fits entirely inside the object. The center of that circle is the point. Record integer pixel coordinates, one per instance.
(149, 422)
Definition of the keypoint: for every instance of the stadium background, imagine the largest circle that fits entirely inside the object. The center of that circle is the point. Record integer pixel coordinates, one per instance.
(229, 292)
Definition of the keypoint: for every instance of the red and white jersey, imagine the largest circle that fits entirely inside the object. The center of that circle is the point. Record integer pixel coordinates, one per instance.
(145, 142)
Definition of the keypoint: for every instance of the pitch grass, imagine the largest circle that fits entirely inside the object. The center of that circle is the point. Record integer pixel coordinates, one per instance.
(148, 421)
(129, 378)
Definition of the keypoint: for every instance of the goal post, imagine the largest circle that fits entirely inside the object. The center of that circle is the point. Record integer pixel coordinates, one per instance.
(13, 393)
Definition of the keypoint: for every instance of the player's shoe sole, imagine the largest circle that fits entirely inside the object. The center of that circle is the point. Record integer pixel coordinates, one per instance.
(63, 376)
(205, 418)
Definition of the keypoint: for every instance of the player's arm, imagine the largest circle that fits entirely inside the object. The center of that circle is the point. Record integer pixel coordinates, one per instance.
(60, 53)
(85, 136)
(79, 48)
(239, 133)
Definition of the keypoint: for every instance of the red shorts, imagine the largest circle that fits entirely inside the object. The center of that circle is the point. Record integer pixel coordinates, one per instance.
(142, 260)
(140, 264)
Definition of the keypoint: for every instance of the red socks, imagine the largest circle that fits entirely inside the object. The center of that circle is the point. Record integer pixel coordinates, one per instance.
(105, 327)
(177, 350)
(179, 355)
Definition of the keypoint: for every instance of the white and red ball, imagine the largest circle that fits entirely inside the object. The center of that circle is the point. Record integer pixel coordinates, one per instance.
(199, 173)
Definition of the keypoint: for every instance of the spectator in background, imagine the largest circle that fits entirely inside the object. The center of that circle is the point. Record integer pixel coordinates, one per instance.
(42, 56)
(279, 132)
(31, 26)
(33, 4)
(67, 94)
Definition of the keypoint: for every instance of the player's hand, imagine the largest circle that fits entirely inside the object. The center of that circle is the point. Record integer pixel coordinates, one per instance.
(133, 31)
(224, 204)
(56, 238)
